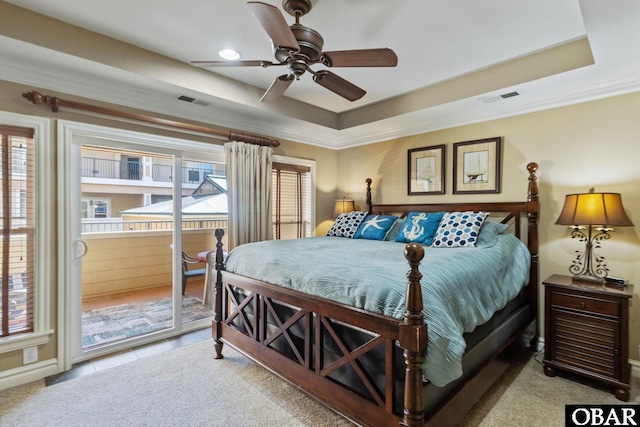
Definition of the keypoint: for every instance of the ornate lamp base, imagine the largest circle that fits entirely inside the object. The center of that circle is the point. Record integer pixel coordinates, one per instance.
(589, 267)
(587, 278)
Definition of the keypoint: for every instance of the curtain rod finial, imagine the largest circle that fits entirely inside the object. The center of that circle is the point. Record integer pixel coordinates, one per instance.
(253, 139)
(36, 98)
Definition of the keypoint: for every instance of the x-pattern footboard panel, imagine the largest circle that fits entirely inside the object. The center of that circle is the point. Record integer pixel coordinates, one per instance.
(319, 337)
(283, 329)
(237, 309)
(350, 357)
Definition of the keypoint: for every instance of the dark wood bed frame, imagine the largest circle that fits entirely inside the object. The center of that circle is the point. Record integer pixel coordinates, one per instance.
(242, 323)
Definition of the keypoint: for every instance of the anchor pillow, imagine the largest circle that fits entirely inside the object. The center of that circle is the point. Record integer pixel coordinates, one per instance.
(420, 227)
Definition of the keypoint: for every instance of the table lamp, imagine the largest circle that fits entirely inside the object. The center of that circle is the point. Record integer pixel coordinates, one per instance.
(589, 216)
(342, 206)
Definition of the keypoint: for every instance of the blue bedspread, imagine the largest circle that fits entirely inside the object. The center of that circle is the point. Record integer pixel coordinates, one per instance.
(455, 299)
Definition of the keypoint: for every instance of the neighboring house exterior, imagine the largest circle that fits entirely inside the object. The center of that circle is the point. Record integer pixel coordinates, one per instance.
(115, 182)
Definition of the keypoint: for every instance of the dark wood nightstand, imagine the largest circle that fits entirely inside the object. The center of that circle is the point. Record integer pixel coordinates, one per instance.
(587, 331)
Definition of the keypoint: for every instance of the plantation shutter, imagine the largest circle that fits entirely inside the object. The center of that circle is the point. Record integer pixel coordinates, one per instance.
(291, 207)
(17, 177)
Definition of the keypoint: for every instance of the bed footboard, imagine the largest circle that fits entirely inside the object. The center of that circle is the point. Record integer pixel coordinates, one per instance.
(289, 333)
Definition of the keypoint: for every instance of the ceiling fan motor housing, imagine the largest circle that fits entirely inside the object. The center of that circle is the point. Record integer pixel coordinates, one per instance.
(310, 41)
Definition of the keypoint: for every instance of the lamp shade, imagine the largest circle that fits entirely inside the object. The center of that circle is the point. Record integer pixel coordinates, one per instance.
(593, 209)
(342, 206)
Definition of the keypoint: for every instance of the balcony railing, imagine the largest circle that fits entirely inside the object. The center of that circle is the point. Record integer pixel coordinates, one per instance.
(130, 170)
(116, 225)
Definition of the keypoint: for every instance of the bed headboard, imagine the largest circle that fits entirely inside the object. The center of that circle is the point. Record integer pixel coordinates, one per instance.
(507, 212)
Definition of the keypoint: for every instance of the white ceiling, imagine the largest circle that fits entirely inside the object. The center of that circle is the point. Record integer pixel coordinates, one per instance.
(435, 41)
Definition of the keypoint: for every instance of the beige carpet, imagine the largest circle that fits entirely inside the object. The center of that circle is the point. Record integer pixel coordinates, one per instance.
(525, 396)
(187, 387)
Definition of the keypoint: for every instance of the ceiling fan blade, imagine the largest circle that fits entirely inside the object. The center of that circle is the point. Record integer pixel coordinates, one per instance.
(360, 58)
(277, 88)
(274, 24)
(231, 63)
(338, 85)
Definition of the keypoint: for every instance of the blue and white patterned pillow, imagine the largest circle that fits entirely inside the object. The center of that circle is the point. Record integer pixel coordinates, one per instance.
(419, 227)
(347, 224)
(375, 227)
(459, 229)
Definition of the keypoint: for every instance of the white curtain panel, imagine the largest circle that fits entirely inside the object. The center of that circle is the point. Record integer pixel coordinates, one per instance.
(248, 169)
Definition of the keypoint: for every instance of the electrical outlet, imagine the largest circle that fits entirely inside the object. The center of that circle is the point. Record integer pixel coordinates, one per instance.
(29, 355)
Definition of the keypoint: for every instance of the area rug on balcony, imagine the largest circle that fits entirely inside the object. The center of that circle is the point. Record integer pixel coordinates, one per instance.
(123, 321)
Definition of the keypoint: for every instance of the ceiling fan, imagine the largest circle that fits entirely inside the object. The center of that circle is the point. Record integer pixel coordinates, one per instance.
(298, 48)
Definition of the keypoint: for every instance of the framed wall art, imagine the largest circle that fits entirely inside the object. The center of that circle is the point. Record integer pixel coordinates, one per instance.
(476, 166)
(426, 170)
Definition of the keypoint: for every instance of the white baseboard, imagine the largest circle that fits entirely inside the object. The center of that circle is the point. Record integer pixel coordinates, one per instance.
(635, 368)
(28, 373)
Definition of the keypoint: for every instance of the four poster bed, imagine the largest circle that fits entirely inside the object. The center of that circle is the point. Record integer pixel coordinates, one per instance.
(385, 350)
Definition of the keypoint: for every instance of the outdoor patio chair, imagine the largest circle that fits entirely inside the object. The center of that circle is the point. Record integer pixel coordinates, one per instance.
(187, 262)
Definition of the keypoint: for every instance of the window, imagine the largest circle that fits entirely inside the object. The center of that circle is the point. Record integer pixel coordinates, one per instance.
(17, 201)
(292, 206)
(95, 208)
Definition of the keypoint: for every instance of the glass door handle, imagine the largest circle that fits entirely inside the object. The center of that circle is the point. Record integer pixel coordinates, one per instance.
(81, 248)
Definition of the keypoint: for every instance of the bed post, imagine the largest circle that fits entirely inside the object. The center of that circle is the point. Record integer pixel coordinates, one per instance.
(217, 295)
(413, 339)
(369, 204)
(533, 209)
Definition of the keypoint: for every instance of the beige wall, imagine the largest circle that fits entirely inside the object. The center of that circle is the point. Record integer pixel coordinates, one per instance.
(594, 144)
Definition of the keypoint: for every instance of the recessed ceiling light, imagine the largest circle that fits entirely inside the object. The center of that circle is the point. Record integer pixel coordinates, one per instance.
(229, 54)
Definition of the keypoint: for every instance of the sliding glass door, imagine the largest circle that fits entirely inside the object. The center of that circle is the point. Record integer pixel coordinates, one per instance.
(138, 219)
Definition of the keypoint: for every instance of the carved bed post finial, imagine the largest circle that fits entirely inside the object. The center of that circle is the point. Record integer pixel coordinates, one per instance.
(217, 295)
(413, 339)
(533, 210)
(369, 204)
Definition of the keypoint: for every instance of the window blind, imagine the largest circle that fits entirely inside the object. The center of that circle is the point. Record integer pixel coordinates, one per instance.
(17, 177)
(291, 201)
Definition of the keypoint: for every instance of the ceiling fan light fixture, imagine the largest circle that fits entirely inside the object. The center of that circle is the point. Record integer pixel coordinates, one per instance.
(229, 54)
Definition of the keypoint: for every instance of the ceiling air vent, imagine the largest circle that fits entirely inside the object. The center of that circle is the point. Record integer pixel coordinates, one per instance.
(191, 100)
(509, 95)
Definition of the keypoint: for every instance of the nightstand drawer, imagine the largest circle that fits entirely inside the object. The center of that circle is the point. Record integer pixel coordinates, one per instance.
(589, 304)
